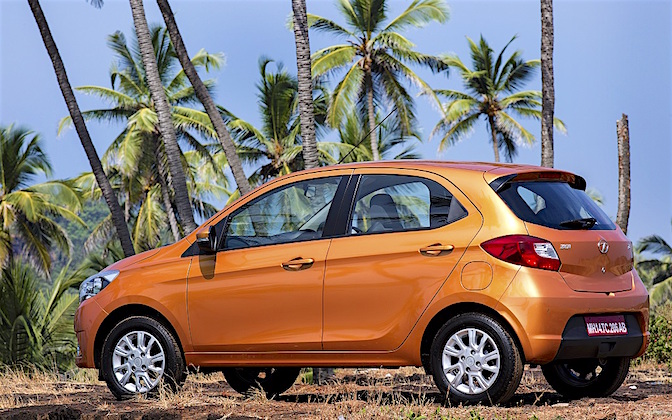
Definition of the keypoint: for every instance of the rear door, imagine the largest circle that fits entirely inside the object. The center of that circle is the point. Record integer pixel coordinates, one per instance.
(405, 232)
(595, 254)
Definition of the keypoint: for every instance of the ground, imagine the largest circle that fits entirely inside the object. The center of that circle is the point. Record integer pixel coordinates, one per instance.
(405, 393)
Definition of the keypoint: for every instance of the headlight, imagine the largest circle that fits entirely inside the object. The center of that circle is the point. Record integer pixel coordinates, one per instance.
(94, 284)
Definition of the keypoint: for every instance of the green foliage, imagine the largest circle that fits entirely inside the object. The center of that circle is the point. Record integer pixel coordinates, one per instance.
(660, 327)
(656, 273)
(493, 92)
(375, 58)
(35, 322)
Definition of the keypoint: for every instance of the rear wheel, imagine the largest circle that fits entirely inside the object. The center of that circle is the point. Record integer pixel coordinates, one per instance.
(138, 356)
(475, 360)
(273, 381)
(587, 377)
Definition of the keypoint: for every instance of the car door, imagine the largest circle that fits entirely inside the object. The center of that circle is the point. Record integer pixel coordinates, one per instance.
(263, 290)
(406, 232)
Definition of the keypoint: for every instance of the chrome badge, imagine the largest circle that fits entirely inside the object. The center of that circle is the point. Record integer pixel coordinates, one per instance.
(565, 246)
(603, 246)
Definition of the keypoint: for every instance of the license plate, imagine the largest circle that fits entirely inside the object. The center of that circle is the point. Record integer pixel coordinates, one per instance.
(606, 325)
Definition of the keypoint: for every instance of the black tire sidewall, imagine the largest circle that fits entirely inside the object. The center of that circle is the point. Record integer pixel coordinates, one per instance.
(174, 371)
(609, 380)
(510, 362)
(280, 381)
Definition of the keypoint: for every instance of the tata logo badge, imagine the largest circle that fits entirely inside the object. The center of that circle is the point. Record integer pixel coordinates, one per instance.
(604, 270)
(565, 246)
(603, 246)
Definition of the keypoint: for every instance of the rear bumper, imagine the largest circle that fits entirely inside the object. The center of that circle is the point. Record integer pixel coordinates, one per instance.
(577, 344)
(539, 306)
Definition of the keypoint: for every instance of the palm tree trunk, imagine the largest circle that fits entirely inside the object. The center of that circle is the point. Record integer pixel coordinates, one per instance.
(547, 87)
(372, 116)
(158, 95)
(73, 108)
(495, 143)
(305, 84)
(165, 193)
(623, 213)
(204, 96)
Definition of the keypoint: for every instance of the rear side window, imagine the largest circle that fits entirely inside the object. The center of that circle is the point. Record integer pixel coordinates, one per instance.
(554, 204)
(396, 203)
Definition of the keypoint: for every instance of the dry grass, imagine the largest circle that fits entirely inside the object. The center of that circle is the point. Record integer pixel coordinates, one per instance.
(404, 393)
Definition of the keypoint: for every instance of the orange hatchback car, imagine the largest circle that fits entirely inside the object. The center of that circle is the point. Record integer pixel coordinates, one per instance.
(470, 270)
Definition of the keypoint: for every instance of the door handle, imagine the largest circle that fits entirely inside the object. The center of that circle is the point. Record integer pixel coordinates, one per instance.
(298, 264)
(436, 250)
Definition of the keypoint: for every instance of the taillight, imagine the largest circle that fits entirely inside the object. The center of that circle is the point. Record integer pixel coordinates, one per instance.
(524, 250)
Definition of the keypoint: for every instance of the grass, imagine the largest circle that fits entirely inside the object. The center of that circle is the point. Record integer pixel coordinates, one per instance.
(404, 393)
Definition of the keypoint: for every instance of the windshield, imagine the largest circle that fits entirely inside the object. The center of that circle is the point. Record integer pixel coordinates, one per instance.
(554, 204)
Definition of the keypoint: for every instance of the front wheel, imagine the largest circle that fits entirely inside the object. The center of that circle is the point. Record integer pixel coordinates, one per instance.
(587, 377)
(272, 381)
(475, 360)
(138, 356)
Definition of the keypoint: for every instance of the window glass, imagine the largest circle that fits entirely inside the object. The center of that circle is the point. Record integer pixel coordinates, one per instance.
(296, 212)
(395, 203)
(554, 204)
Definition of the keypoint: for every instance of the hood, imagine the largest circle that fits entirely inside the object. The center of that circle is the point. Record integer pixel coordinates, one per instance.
(127, 262)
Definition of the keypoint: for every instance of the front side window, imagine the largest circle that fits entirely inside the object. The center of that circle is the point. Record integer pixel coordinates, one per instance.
(397, 203)
(296, 212)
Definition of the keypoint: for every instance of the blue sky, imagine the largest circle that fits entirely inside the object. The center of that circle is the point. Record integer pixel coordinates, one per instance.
(610, 58)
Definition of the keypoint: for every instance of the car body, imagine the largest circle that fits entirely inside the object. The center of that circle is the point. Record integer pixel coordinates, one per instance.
(375, 281)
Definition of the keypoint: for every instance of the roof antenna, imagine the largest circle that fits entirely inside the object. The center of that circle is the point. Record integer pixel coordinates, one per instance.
(365, 137)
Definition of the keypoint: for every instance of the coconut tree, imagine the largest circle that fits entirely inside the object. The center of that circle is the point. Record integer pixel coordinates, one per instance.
(304, 77)
(278, 142)
(73, 108)
(374, 60)
(657, 270)
(27, 212)
(162, 108)
(393, 143)
(547, 87)
(130, 101)
(204, 96)
(492, 93)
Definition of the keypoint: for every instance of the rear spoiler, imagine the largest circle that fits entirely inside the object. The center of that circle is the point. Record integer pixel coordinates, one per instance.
(575, 181)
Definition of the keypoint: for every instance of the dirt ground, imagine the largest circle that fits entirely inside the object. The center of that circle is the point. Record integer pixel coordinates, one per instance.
(405, 393)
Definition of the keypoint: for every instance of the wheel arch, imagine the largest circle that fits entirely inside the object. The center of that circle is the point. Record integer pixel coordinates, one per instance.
(449, 312)
(123, 312)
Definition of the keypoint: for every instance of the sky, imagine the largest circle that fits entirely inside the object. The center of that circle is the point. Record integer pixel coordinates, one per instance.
(611, 57)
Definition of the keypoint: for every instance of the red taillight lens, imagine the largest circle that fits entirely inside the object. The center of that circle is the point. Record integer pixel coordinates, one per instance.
(524, 250)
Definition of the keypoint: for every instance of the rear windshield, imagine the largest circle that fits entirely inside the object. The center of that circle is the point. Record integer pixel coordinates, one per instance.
(555, 205)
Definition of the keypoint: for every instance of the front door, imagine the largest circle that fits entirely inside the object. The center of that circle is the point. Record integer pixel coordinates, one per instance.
(405, 235)
(263, 290)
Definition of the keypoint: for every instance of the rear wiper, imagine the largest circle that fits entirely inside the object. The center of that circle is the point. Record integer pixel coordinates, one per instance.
(586, 223)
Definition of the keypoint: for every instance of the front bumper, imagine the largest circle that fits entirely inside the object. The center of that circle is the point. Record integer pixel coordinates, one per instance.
(539, 306)
(88, 315)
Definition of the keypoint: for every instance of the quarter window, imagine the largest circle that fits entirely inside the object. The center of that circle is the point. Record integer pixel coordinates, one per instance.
(297, 212)
(396, 203)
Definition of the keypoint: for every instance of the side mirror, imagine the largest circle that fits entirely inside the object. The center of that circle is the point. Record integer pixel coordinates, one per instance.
(207, 240)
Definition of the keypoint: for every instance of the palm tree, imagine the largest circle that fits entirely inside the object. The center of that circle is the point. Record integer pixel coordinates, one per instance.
(657, 271)
(162, 108)
(547, 88)
(36, 328)
(204, 96)
(278, 142)
(375, 58)
(305, 79)
(27, 212)
(131, 103)
(117, 216)
(391, 144)
(493, 93)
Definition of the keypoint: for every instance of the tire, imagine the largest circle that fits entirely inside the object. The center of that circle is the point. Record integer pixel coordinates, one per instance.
(484, 342)
(587, 377)
(131, 368)
(273, 381)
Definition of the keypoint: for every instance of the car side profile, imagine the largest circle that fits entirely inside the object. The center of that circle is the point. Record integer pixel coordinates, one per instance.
(470, 270)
